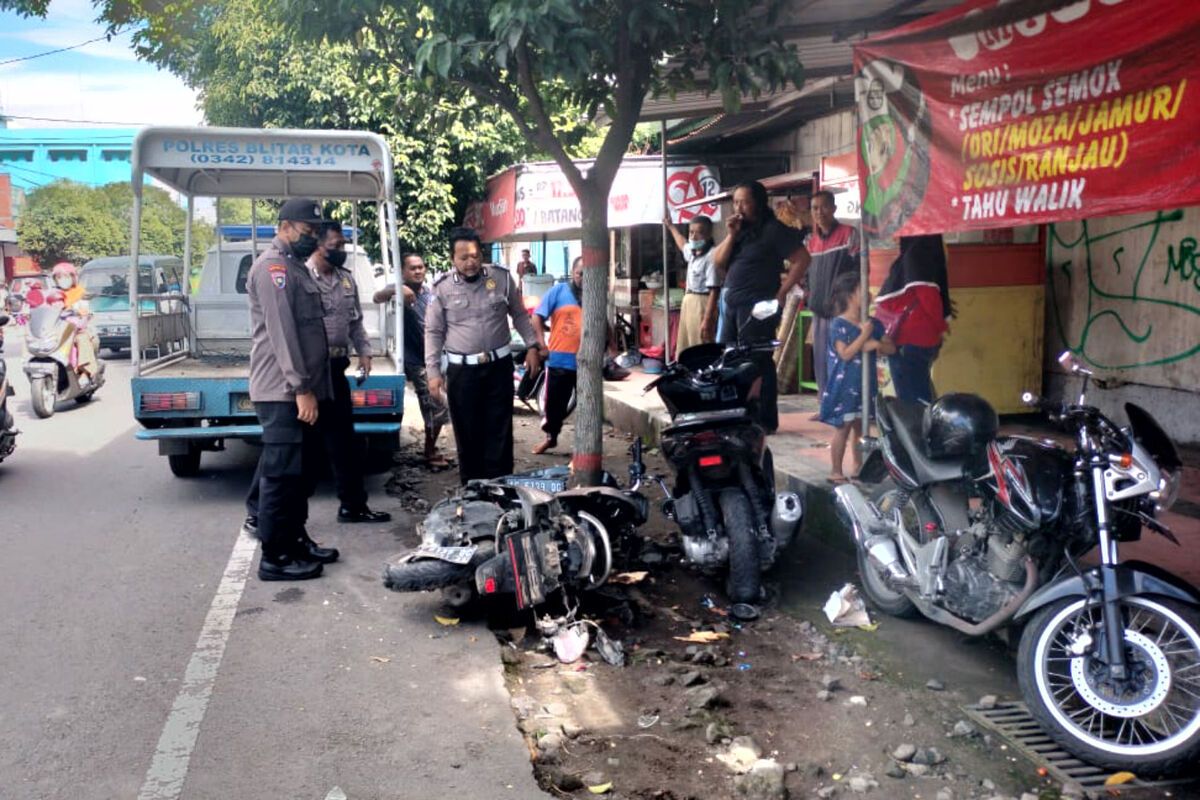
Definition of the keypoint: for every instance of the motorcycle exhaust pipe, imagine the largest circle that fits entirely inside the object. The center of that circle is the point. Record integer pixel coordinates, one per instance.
(785, 516)
(864, 520)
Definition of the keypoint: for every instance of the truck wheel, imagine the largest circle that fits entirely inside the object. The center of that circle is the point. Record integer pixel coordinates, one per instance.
(380, 449)
(185, 465)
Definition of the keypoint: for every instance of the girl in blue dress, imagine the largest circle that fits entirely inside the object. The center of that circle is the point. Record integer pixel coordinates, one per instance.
(841, 400)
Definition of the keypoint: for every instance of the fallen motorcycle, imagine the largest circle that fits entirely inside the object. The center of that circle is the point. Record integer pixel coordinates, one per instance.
(976, 531)
(498, 537)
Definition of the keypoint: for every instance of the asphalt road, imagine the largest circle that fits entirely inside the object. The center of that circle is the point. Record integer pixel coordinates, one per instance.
(138, 661)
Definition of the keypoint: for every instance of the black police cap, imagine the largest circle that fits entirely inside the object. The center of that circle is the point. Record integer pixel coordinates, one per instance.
(301, 209)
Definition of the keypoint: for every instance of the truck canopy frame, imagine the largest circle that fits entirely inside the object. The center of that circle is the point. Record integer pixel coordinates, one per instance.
(257, 164)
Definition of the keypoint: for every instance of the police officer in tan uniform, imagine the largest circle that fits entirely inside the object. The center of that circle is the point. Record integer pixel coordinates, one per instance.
(467, 322)
(289, 377)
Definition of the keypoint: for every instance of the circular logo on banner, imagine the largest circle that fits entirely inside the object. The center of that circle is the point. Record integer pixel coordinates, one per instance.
(693, 183)
(895, 135)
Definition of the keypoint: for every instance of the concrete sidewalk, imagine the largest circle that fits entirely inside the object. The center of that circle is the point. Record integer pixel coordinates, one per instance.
(801, 451)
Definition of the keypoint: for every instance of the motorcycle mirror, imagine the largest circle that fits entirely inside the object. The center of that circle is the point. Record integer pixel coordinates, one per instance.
(765, 309)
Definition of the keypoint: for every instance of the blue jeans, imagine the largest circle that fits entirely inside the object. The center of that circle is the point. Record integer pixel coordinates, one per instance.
(911, 368)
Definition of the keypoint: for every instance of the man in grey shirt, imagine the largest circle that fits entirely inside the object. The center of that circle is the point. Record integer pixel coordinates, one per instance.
(289, 377)
(468, 322)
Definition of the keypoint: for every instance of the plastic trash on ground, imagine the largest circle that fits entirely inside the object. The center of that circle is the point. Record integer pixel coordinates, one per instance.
(570, 642)
(845, 608)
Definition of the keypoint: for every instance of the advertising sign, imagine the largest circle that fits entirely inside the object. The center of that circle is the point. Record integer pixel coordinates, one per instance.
(983, 116)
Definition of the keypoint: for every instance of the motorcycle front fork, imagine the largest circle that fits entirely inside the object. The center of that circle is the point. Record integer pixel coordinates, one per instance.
(1110, 596)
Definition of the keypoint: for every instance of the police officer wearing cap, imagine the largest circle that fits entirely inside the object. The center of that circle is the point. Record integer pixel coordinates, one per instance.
(343, 329)
(289, 377)
(468, 322)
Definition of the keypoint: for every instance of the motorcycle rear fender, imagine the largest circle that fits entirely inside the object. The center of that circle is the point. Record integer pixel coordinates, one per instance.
(1131, 579)
(499, 569)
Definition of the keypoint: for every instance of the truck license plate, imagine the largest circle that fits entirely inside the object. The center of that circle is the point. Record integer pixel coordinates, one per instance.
(454, 555)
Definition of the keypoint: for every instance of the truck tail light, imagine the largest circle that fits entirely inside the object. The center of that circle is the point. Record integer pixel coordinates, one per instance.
(372, 398)
(170, 401)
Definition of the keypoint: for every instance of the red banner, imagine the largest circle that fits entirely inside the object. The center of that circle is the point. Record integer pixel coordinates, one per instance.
(986, 116)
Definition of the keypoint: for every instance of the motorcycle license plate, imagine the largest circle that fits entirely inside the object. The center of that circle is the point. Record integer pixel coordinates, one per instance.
(454, 555)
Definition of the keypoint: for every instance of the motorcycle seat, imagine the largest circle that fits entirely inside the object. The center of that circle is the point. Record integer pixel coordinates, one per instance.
(905, 425)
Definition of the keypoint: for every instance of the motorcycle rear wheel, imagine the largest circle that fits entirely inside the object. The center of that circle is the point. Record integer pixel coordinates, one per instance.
(1150, 725)
(429, 574)
(892, 602)
(744, 584)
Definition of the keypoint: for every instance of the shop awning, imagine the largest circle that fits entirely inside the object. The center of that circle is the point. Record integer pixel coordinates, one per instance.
(528, 201)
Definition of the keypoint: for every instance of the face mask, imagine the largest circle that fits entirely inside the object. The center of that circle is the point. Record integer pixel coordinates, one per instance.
(304, 247)
(336, 257)
(64, 282)
(697, 245)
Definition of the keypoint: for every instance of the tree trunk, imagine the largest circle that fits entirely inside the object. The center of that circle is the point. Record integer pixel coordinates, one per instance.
(589, 410)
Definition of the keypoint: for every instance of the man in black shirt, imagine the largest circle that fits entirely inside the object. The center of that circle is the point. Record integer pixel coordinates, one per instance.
(752, 256)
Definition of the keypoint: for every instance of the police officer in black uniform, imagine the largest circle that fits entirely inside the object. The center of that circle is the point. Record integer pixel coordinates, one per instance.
(468, 322)
(289, 377)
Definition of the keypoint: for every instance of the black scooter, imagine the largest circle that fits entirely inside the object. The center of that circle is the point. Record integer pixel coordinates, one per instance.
(8, 431)
(724, 498)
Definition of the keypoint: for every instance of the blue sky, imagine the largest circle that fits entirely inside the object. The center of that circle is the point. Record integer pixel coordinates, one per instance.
(103, 81)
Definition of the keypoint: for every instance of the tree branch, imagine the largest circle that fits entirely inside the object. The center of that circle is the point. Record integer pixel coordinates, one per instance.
(542, 120)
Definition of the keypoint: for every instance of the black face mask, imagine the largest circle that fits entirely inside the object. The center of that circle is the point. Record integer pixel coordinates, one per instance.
(335, 257)
(305, 246)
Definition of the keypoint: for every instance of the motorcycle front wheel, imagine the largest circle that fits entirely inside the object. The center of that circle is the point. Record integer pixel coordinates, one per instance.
(876, 587)
(1148, 723)
(43, 393)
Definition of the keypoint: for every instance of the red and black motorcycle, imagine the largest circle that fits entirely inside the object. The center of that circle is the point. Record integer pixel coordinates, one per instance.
(976, 531)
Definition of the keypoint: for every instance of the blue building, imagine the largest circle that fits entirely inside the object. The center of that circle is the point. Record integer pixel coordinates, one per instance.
(92, 156)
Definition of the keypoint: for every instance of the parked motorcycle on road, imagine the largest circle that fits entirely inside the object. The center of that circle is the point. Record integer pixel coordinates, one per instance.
(976, 531)
(8, 431)
(51, 359)
(506, 537)
(724, 498)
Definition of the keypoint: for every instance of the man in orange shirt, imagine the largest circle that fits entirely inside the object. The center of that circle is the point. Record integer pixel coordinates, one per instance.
(562, 307)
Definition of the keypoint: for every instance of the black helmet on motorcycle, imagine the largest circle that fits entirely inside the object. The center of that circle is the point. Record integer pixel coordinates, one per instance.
(959, 425)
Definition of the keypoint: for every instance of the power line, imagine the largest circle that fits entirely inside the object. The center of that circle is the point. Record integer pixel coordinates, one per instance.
(78, 121)
(106, 37)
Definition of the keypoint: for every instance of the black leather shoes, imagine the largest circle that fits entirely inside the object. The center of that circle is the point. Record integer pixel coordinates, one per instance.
(311, 551)
(363, 514)
(287, 568)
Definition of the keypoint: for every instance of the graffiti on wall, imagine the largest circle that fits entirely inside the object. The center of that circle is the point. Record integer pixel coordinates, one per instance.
(1125, 296)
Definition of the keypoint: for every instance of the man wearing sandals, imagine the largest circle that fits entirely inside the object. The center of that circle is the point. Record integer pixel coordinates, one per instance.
(416, 296)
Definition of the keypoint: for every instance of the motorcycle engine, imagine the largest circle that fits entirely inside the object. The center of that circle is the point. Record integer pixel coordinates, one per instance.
(978, 584)
(706, 552)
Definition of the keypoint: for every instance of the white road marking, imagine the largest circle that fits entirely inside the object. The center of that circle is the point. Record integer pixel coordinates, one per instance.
(336, 793)
(168, 770)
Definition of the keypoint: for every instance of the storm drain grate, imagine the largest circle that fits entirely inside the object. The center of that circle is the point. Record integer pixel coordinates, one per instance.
(1014, 723)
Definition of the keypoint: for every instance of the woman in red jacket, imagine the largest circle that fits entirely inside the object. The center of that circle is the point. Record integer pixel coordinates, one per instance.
(914, 306)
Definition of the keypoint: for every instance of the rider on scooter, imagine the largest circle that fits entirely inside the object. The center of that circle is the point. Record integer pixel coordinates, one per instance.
(66, 281)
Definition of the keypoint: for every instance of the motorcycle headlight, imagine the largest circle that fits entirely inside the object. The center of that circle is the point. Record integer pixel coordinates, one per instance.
(1168, 488)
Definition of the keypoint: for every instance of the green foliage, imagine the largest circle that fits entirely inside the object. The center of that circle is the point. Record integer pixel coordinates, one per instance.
(26, 8)
(66, 221)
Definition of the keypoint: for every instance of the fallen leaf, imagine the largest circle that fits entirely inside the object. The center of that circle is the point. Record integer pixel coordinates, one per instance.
(869, 627)
(702, 637)
(806, 656)
(381, 659)
(629, 577)
(1119, 778)
(603, 788)
(445, 620)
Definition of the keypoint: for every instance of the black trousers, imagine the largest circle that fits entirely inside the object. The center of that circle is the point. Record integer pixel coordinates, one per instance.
(284, 477)
(336, 424)
(740, 321)
(480, 398)
(557, 387)
(334, 442)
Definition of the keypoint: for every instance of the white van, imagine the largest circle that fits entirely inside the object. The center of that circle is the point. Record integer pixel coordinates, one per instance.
(105, 282)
